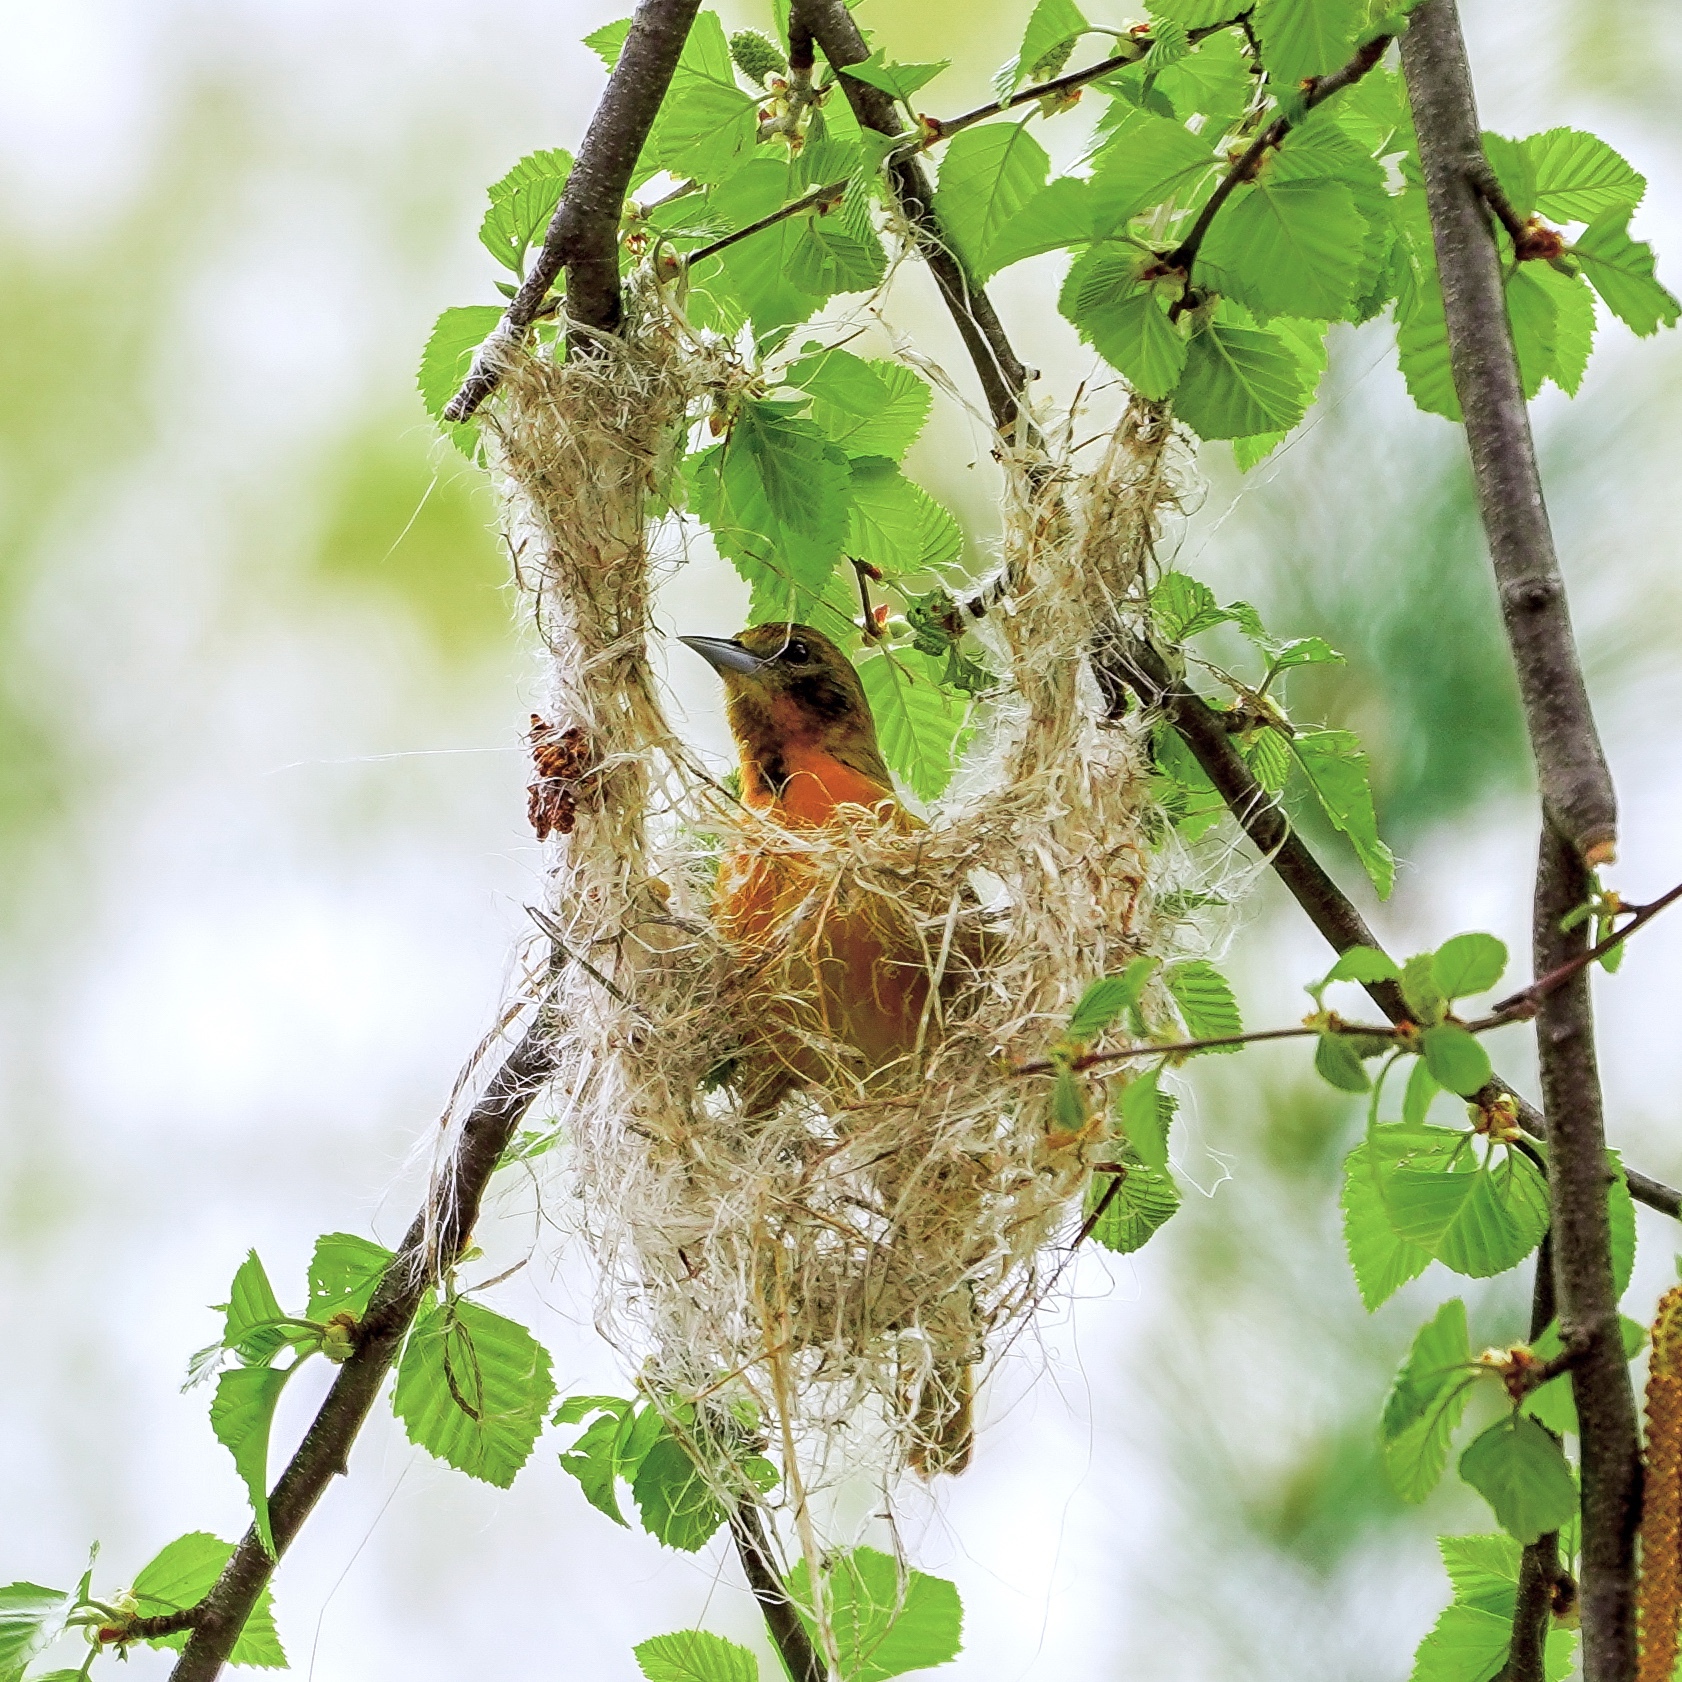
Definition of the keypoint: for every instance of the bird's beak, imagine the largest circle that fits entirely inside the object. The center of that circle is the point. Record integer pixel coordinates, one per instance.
(724, 654)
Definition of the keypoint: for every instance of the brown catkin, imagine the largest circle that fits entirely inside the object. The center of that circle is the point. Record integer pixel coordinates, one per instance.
(1660, 1599)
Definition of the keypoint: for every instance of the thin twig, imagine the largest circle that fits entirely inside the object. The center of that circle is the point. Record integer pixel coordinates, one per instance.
(782, 1620)
(437, 1235)
(1184, 255)
(814, 198)
(1571, 771)
(583, 236)
(1175, 1048)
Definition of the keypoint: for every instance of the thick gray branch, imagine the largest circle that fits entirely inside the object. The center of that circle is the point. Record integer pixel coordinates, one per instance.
(583, 236)
(1576, 787)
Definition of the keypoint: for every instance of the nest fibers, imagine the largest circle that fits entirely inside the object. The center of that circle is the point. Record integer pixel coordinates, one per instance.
(827, 1270)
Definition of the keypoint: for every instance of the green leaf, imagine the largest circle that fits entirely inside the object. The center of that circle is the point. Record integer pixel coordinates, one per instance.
(1478, 1222)
(1193, 14)
(1552, 317)
(1426, 1402)
(837, 249)
(707, 125)
(1145, 1200)
(1419, 988)
(1058, 215)
(447, 359)
(1287, 247)
(1382, 1261)
(1053, 27)
(1515, 171)
(1212, 81)
(594, 1460)
(1621, 270)
(608, 42)
(249, 1327)
(31, 1619)
(1552, 1403)
(1181, 607)
(1620, 1221)
(1207, 1006)
(865, 408)
(692, 1655)
(1336, 769)
(1422, 1087)
(1267, 755)
(918, 721)
(896, 523)
(473, 1389)
(345, 1271)
(1484, 1571)
(1578, 176)
(673, 1499)
(988, 174)
(522, 203)
(1145, 160)
(1239, 381)
(1305, 651)
(1302, 38)
(885, 1624)
(576, 1409)
(1364, 964)
(182, 1574)
(1464, 1645)
(1455, 1058)
(1469, 963)
(900, 80)
(241, 1416)
(1107, 998)
(1521, 1472)
(1146, 1114)
(1338, 1062)
(1127, 325)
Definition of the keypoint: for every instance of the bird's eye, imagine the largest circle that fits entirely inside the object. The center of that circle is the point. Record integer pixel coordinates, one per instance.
(797, 651)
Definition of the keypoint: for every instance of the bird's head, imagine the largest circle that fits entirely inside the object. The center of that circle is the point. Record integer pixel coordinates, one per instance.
(792, 695)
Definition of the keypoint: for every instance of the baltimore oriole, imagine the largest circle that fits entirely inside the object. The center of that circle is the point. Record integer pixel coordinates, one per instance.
(851, 983)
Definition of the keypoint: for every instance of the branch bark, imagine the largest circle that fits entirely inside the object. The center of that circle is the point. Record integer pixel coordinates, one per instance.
(800, 1657)
(583, 236)
(1578, 1175)
(1576, 786)
(441, 1229)
(1004, 379)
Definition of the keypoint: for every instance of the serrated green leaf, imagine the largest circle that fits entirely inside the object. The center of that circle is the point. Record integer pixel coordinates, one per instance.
(1303, 38)
(1620, 1221)
(1145, 1113)
(692, 1655)
(31, 1618)
(1364, 964)
(1286, 247)
(1468, 963)
(1194, 14)
(1622, 271)
(1305, 651)
(181, 1575)
(1455, 1058)
(988, 175)
(1057, 215)
(1107, 998)
(865, 408)
(1464, 1645)
(1382, 1261)
(1053, 27)
(896, 523)
(1268, 757)
(249, 1326)
(1521, 1472)
(1552, 1403)
(1419, 988)
(1336, 769)
(608, 42)
(447, 359)
(673, 1499)
(1205, 1001)
(473, 1389)
(758, 271)
(837, 249)
(576, 1409)
(1126, 324)
(1338, 1063)
(885, 1623)
(1426, 1403)
(522, 203)
(1181, 606)
(1145, 1201)
(1484, 1571)
(1239, 381)
(345, 1271)
(900, 80)
(1578, 176)
(1477, 1223)
(707, 125)
(242, 1415)
(1422, 1087)
(919, 722)
(595, 1462)
(1145, 160)
(1212, 81)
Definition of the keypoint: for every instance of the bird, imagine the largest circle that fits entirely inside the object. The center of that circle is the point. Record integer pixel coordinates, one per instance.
(849, 998)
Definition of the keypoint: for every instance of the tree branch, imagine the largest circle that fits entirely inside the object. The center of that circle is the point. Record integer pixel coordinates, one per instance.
(583, 235)
(799, 1656)
(439, 1231)
(1004, 379)
(1576, 786)
(1588, 1299)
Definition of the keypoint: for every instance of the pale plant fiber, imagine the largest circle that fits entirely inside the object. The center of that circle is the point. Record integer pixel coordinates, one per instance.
(840, 1262)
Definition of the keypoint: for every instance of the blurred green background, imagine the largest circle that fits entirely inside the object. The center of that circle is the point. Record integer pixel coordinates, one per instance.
(263, 858)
